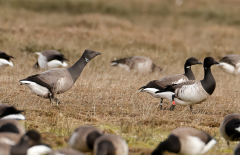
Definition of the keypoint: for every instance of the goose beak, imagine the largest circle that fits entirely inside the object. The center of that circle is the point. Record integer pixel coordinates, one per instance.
(199, 62)
(217, 63)
(98, 53)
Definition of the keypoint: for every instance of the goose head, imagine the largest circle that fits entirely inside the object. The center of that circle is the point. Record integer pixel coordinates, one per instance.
(90, 54)
(209, 61)
(192, 61)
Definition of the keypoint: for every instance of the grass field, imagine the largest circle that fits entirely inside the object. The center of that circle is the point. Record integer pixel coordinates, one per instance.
(107, 97)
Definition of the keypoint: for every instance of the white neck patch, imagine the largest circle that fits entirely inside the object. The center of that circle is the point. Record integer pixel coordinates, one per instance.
(86, 59)
(188, 67)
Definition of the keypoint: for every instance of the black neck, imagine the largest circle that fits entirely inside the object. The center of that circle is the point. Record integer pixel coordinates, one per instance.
(208, 82)
(91, 139)
(77, 68)
(188, 72)
(172, 144)
(106, 148)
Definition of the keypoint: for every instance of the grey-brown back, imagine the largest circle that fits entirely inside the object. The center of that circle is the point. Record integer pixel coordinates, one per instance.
(231, 59)
(183, 132)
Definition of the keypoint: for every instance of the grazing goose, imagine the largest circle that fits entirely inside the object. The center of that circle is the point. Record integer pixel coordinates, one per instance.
(5, 59)
(50, 59)
(25, 145)
(237, 149)
(230, 64)
(137, 63)
(83, 138)
(65, 151)
(10, 112)
(193, 91)
(186, 140)
(110, 144)
(161, 84)
(230, 128)
(55, 81)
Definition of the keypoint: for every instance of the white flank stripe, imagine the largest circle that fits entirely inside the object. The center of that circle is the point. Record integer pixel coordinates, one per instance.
(150, 91)
(208, 146)
(238, 129)
(38, 150)
(227, 67)
(166, 95)
(114, 63)
(15, 116)
(4, 62)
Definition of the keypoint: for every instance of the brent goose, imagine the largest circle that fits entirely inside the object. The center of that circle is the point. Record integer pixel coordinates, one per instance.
(230, 128)
(83, 138)
(186, 140)
(230, 64)
(136, 63)
(49, 59)
(110, 144)
(161, 84)
(55, 81)
(24, 147)
(193, 91)
(5, 59)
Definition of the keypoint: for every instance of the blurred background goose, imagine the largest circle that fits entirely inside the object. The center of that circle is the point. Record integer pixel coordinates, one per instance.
(193, 91)
(5, 59)
(55, 81)
(49, 59)
(230, 64)
(157, 85)
(110, 144)
(136, 63)
(186, 140)
(230, 128)
(83, 138)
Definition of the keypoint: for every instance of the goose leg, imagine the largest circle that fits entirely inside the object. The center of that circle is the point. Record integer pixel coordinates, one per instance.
(191, 107)
(161, 104)
(228, 144)
(173, 103)
(50, 98)
(56, 100)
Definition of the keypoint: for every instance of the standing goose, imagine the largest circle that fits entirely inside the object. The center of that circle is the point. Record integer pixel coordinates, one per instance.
(230, 64)
(83, 138)
(186, 140)
(230, 128)
(55, 81)
(137, 63)
(158, 85)
(193, 91)
(50, 59)
(5, 59)
(110, 144)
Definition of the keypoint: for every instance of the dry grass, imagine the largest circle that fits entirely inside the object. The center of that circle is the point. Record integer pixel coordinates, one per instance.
(107, 97)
